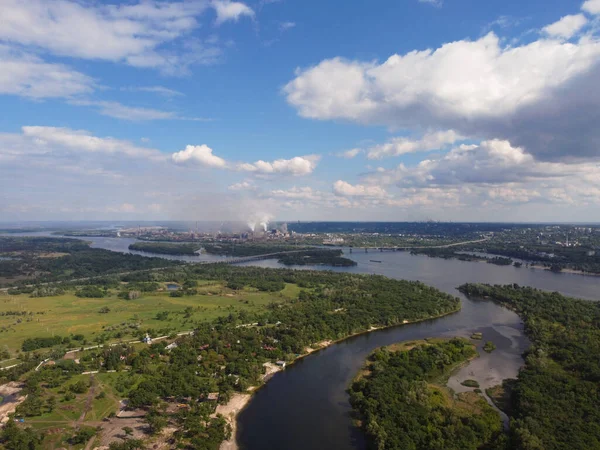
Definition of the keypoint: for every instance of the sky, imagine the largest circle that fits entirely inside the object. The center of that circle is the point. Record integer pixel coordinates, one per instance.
(396, 110)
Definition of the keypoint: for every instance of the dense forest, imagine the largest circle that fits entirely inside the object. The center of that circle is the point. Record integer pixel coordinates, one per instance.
(41, 259)
(400, 405)
(555, 400)
(332, 258)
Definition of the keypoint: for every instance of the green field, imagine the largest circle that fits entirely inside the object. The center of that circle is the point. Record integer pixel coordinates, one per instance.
(68, 314)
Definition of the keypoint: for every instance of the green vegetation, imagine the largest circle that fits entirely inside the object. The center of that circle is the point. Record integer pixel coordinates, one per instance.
(249, 248)
(470, 383)
(477, 336)
(225, 354)
(402, 404)
(317, 257)
(489, 346)
(42, 260)
(165, 248)
(554, 402)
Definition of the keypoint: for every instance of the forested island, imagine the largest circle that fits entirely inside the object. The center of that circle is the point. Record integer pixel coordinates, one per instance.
(250, 248)
(554, 402)
(332, 258)
(402, 402)
(163, 248)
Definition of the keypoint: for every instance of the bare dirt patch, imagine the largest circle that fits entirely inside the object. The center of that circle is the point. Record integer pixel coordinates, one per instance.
(11, 398)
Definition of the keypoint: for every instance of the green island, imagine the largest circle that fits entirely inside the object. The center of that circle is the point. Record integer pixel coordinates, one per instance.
(402, 402)
(164, 248)
(115, 338)
(332, 258)
(553, 404)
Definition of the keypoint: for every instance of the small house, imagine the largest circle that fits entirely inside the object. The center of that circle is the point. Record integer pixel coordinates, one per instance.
(147, 339)
(281, 364)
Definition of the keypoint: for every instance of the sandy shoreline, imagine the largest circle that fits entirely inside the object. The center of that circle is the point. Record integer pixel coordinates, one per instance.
(239, 401)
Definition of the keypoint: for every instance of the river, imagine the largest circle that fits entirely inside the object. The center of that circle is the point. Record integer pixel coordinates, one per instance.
(306, 406)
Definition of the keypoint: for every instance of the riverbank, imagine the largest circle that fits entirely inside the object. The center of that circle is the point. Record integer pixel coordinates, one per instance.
(232, 409)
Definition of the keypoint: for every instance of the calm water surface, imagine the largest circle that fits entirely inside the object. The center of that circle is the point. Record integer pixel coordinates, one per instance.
(306, 406)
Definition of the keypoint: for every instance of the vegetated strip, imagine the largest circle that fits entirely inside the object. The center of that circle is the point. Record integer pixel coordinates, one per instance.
(554, 402)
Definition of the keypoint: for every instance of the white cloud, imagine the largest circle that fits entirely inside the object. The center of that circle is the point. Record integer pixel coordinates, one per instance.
(401, 145)
(200, 154)
(566, 27)
(53, 139)
(231, 11)
(432, 2)
(346, 189)
(284, 26)
(538, 95)
(28, 76)
(119, 111)
(297, 166)
(298, 193)
(160, 90)
(591, 6)
(242, 186)
(492, 162)
(349, 154)
(145, 34)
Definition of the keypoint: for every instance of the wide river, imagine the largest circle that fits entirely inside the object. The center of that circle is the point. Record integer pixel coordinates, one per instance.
(306, 406)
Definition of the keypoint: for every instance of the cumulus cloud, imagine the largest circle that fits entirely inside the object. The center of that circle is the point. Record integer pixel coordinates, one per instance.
(297, 166)
(567, 26)
(402, 145)
(199, 154)
(29, 76)
(592, 6)
(203, 155)
(540, 96)
(231, 11)
(490, 162)
(346, 189)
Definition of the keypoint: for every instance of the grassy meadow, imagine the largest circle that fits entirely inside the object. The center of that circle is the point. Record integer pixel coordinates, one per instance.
(68, 314)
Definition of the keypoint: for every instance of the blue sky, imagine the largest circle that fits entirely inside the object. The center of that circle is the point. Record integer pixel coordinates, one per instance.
(361, 110)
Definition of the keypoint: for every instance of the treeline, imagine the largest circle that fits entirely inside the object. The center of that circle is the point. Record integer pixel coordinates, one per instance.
(165, 248)
(556, 397)
(332, 258)
(400, 407)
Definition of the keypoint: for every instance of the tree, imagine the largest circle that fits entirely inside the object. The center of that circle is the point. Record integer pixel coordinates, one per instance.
(128, 431)
(156, 420)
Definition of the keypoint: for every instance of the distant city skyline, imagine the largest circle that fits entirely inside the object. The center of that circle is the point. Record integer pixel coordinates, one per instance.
(403, 110)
